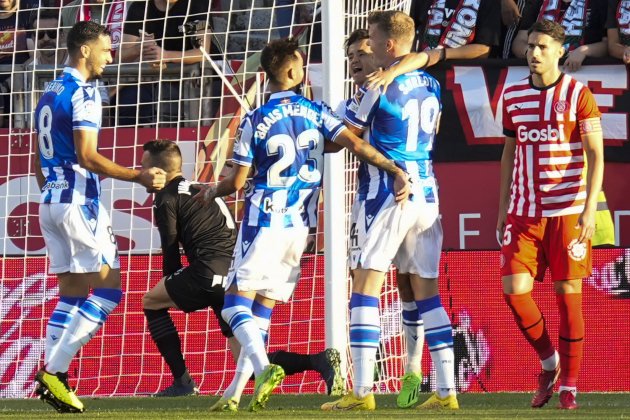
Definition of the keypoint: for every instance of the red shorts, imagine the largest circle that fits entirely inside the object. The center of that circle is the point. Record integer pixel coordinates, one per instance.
(531, 244)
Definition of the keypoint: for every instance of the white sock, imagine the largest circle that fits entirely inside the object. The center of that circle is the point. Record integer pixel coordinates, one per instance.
(248, 335)
(244, 367)
(59, 322)
(439, 336)
(551, 362)
(365, 332)
(244, 370)
(571, 389)
(413, 329)
(85, 323)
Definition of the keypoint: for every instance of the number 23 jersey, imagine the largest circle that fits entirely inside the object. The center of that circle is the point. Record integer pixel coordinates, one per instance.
(68, 103)
(284, 141)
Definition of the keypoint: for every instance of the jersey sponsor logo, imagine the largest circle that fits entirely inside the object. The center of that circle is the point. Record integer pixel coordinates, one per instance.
(545, 134)
(577, 250)
(269, 208)
(56, 185)
(560, 106)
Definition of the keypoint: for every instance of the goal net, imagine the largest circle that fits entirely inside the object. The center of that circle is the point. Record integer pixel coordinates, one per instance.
(198, 104)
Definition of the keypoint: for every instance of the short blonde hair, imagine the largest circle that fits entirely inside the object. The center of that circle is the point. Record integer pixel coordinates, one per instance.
(396, 25)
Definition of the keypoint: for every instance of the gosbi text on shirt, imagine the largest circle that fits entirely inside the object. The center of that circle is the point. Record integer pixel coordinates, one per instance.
(549, 164)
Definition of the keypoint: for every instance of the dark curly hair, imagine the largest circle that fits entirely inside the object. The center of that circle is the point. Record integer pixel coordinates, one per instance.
(275, 55)
(355, 36)
(550, 28)
(82, 33)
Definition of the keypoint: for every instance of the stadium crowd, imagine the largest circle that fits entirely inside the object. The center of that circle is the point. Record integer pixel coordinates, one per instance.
(32, 33)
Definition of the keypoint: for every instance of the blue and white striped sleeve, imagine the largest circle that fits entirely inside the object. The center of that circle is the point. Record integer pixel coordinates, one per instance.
(360, 110)
(243, 150)
(331, 124)
(86, 109)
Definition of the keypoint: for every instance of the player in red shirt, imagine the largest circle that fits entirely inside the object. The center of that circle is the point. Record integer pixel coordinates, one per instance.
(548, 201)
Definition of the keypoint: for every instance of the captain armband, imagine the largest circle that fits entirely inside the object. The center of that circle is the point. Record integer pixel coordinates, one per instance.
(591, 125)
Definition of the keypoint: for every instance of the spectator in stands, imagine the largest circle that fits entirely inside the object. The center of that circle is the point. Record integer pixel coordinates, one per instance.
(108, 13)
(618, 29)
(160, 32)
(584, 27)
(44, 39)
(511, 13)
(440, 23)
(12, 50)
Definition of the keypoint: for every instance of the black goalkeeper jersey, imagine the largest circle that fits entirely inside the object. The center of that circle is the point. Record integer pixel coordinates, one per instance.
(207, 234)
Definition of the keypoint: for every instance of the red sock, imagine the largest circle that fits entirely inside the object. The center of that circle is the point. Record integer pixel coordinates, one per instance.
(571, 337)
(531, 322)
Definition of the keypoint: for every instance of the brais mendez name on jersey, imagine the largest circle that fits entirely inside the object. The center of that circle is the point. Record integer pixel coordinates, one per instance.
(287, 111)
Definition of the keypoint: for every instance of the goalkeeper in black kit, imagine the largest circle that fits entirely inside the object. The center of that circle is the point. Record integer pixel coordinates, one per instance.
(208, 236)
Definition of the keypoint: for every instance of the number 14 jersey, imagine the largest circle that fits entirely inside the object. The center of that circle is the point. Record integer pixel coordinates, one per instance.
(67, 104)
(284, 141)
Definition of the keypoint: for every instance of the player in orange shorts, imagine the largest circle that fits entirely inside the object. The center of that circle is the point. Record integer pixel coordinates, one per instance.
(548, 201)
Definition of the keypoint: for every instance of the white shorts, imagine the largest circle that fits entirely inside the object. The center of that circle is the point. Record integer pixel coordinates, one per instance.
(79, 238)
(267, 260)
(409, 236)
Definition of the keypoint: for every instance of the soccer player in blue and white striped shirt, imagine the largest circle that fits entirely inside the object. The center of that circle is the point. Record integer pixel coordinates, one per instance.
(76, 228)
(284, 142)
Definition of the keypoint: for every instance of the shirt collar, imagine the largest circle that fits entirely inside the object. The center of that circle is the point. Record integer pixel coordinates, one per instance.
(74, 73)
(282, 94)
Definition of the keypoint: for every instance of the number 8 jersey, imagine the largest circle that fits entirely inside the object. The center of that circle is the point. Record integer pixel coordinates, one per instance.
(403, 121)
(284, 141)
(67, 104)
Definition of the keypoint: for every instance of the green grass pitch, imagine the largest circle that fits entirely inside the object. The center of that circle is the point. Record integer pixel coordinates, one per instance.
(473, 406)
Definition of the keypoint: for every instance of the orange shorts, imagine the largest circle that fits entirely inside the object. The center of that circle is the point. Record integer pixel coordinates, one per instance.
(531, 244)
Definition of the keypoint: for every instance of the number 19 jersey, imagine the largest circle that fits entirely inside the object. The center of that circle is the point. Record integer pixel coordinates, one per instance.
(284, 141)
(67, 104)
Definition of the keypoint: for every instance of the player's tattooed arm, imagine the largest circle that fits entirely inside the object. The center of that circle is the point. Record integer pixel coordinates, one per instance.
(227, 186)
(369, 154)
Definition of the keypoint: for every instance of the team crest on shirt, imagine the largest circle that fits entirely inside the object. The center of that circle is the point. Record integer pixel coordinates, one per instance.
(561, 106)
(577, 250)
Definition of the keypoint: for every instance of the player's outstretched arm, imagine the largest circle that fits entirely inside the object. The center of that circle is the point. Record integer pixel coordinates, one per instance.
(409, 62)
(507, 166)
(227, 186)
(593, 143)
(369, 154)
(85, 141)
